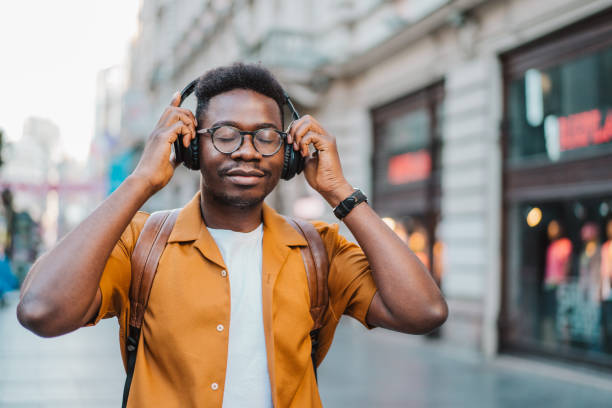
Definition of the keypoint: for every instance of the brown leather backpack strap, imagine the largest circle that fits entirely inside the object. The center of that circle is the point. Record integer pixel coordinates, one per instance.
(145, 257)
(317, 269)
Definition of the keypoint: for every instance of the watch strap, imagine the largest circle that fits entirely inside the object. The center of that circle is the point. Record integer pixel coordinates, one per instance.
(349, 203)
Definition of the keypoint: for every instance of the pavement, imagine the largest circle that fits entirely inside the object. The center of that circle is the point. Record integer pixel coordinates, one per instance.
(364, 368)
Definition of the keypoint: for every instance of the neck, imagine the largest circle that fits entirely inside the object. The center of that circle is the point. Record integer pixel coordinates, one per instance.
(220, 215)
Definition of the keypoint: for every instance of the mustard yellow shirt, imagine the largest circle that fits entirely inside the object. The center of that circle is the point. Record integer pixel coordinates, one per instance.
(182, 355)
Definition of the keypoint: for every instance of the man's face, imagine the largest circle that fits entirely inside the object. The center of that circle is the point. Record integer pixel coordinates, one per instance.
(245, 177)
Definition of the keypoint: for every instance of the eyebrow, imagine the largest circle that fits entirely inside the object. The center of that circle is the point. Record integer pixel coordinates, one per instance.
(236, 125)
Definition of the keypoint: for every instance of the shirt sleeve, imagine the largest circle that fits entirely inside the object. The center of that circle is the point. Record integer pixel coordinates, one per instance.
(350, 281)
(115, 281)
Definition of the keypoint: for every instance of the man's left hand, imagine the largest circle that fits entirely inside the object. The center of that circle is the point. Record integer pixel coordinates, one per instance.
(322, 167)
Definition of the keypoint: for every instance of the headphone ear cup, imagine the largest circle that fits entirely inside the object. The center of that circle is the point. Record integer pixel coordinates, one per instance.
(179, 150)
(293, 163)
(285, 174)
(192, 154)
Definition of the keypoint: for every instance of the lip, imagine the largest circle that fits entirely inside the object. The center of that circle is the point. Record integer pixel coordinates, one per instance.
(245, 177)
(245, 173)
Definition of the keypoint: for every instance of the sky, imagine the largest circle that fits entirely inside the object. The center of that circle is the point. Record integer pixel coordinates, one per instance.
(50, 54)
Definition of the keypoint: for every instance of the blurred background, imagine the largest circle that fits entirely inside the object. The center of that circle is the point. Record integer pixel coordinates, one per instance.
(480, 129)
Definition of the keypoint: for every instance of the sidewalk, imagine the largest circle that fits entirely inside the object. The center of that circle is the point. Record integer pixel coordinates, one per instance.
(379, 368)
(81, 369)
(363, 369)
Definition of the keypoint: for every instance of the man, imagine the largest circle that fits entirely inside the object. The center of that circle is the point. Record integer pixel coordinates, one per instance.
(228, 320)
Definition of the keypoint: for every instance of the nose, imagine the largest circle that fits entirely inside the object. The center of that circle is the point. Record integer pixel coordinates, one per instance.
(247, 151)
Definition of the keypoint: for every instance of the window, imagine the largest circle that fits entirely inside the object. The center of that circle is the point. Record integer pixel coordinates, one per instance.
(558, 195)
(562, 112)
(561, 291)
(406, 174)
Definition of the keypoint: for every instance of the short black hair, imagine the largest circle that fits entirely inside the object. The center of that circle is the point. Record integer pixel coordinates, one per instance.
(238, 76)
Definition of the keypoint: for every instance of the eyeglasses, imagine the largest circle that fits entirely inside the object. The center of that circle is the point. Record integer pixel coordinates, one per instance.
(228, 139)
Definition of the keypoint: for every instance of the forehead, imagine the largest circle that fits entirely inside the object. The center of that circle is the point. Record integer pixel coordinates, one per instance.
(243, 106)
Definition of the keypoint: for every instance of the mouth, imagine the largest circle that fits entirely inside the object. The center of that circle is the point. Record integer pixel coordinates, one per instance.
(245, 177)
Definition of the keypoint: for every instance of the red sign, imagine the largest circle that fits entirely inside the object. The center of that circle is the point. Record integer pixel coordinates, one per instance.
(409, 167)
(584, 129)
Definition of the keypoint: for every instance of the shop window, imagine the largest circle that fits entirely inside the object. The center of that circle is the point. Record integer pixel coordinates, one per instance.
(563, 111)
(406, 175)
(562, 290)
(557, 190)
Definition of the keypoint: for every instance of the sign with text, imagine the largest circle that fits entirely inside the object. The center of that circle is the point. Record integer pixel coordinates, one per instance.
(584, 129)
(409, 167)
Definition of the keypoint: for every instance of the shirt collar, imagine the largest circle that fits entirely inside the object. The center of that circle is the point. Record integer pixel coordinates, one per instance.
(191, 227)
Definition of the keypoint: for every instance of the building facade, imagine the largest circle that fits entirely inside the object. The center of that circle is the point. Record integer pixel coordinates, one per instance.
(481, 131)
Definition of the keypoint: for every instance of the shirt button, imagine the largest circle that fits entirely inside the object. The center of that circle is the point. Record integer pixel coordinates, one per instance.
(224, 273)
(214, 386)
(219, 327)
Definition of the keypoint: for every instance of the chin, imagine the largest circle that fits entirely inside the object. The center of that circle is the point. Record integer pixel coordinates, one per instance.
(240, 200)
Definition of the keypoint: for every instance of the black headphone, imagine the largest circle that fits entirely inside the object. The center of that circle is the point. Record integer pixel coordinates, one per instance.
(293, 162)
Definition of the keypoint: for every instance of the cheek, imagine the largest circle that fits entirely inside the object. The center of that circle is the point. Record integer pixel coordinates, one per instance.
(209, 162)
(277, 166)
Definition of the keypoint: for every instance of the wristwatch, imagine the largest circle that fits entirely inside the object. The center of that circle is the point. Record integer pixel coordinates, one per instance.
(349, 203)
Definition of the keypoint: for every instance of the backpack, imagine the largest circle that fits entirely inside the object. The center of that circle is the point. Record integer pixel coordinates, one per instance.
(145, 258)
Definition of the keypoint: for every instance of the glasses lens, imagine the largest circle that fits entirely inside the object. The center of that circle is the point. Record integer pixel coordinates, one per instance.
(267, 141)
(226, 139)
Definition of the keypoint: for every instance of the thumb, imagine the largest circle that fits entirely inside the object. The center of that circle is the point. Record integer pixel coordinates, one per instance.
(173, 160)
(176, 99)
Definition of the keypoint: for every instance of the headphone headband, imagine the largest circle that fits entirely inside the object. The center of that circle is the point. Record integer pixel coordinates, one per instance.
(188, 90)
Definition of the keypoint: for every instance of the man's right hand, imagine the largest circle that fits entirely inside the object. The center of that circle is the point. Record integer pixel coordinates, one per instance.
(157, 164)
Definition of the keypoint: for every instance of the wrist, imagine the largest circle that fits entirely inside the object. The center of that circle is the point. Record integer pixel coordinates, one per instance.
(140, 184)
(346, 206)
(335, 196)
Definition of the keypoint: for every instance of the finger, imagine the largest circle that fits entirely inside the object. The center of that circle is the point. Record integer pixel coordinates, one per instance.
(290, 132)
(173, 159)
(307, 139)
(187, 117)
(189, 113)
(187, 120)
(294, 127)
(311, 163)
(179, 128)
(301, 129)
(310, 167)
(176, 99)
(188, 138)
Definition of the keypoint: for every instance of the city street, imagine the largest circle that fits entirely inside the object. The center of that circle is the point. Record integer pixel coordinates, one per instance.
(363, 369)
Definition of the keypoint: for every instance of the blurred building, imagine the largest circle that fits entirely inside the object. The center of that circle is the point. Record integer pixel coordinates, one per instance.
(110, 87)
(481, 130)
(30, 168)
(78, 193)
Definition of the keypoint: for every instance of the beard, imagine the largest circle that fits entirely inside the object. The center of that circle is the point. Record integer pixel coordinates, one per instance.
(237, 201)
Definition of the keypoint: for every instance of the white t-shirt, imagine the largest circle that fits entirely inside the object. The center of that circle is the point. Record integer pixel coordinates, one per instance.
(247, 381)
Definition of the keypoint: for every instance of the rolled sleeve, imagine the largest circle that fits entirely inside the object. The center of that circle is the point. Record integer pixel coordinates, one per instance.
(116, 277)
(350, 281)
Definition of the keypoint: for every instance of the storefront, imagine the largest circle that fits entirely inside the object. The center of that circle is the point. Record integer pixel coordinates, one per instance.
(406, 177)
(557, 195)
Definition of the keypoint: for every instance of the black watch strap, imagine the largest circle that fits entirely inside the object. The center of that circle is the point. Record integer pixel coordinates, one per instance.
(349, 203)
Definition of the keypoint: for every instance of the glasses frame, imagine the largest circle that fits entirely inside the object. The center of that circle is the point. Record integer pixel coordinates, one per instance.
(242, 133)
